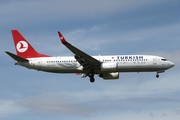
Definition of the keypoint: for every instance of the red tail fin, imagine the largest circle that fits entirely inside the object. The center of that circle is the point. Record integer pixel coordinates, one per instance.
(23, 48)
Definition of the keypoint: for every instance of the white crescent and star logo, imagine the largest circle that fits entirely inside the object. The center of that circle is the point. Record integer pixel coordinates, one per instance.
(61, 38)
(21, 46)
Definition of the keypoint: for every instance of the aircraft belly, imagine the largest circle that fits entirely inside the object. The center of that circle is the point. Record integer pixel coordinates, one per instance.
(61, 68)
(138, 68)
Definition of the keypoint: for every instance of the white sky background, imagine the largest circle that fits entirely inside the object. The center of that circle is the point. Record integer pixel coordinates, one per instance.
(96, 27)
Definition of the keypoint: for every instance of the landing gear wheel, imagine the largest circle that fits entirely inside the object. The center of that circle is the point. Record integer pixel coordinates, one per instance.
(92, 79)
(157, 76)
(91, 76)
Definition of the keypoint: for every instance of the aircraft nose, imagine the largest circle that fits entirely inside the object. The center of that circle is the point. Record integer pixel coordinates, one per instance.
(171, 64)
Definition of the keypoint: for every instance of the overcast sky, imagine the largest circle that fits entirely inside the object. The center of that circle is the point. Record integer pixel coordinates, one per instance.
(97, 27)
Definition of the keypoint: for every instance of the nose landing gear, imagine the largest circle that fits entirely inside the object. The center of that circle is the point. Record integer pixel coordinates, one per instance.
(157, 74)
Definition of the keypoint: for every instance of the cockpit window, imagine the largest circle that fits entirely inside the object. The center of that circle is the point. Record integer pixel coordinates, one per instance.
(164, 59)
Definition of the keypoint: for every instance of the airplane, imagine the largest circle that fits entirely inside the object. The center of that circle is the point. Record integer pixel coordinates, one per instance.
(107, 67)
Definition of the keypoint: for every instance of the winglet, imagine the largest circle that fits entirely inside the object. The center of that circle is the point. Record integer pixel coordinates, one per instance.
(62, 38)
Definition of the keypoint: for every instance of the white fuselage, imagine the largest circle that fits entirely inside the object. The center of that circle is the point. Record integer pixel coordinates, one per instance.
(112, 63)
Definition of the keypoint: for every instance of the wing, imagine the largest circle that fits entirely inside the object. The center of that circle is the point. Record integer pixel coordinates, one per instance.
(88, 62)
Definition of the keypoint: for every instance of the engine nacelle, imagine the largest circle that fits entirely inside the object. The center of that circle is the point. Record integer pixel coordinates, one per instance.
(108, 76)
(109, 66)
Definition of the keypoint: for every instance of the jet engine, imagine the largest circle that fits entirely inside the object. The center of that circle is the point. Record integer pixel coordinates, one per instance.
(109, 66)
(108, 76)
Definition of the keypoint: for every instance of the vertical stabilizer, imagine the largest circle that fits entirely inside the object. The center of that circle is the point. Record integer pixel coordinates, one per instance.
(23, 48)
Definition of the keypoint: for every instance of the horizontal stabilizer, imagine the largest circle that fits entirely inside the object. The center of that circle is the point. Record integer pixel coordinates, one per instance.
(17, 58)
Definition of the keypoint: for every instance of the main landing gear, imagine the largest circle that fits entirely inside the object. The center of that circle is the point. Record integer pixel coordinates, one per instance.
(91, 76)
